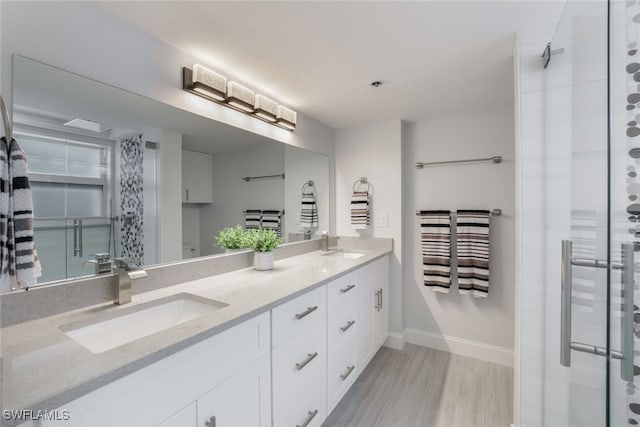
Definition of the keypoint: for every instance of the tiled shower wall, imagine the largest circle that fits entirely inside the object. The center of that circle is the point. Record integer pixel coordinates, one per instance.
(131, 198)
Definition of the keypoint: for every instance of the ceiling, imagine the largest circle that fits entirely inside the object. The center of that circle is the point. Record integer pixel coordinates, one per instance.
(434, 58)
(62, 96)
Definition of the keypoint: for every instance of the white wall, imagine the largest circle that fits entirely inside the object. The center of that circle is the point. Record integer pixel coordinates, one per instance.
(170, 200)
(232, 195)
(375, 152)
(191, 228)
(478, 327)
(300, 167)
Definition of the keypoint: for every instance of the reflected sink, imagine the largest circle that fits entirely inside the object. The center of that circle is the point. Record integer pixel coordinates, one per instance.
(346, 254)
(132, 323)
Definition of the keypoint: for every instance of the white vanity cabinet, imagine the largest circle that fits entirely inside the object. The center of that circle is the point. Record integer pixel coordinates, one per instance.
(197, 177)
(299, 358)
(234, 364)
(284, 368)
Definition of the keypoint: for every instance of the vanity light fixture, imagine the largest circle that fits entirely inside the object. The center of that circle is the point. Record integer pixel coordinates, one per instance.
(286, 117)
(240, 97)
(209, 83)
(215, 87)
(266, 108)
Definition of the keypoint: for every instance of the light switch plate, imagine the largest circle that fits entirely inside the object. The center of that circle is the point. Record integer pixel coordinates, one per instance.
(383, 220)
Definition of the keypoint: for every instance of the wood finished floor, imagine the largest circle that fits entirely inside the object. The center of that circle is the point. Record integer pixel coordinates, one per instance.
(423, 387)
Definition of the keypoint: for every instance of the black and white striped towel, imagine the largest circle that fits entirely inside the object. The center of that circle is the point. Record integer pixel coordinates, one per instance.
(309, 211)
(252, 218)
(271, 220)
(360, 210)
(435, 236)
(18, 258)
(473, 252)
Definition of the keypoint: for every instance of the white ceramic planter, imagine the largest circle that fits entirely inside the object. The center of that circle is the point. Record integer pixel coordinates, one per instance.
(263, 261)
(230, 251)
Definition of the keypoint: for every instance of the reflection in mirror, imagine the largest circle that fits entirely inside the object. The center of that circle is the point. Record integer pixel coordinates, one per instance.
(96, 155)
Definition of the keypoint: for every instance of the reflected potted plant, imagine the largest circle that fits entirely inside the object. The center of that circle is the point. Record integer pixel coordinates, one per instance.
(263, 242)
(233, 239)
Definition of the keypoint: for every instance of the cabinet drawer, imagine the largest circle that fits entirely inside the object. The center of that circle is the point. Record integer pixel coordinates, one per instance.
(309, 405)
(293, 316)
(342, 370)
(299, 368)
(343, 323)
(342, 289)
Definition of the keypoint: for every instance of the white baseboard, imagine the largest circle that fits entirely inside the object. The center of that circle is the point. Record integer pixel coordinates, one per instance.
(477, 350)
(396, 341)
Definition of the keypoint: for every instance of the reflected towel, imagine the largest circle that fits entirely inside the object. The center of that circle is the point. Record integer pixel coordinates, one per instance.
(18, 258)
(271, 220)
(435, 237)
(252, 218)
(308, 211)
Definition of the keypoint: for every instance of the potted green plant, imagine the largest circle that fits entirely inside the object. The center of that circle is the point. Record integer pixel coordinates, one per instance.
(232, 238)
(263, 242)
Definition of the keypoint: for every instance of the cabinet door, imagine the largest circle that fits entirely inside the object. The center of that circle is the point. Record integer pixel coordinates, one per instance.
(197, 177)
(381, 323)
(367, 318)
(184, 418)
(243, 400)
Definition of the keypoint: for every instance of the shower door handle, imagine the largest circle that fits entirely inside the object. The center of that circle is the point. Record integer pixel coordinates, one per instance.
(627, 322)
(565, 304)
(627, 325)
(80, 239)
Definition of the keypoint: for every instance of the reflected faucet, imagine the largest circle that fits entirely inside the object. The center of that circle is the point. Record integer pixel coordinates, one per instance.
(101, 263)
(127, 271)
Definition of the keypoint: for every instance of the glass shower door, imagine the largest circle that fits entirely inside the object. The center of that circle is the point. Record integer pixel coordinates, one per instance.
(72, 183)
(577, 219)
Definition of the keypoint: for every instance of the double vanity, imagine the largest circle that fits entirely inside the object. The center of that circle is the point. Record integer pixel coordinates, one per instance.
(243, 348)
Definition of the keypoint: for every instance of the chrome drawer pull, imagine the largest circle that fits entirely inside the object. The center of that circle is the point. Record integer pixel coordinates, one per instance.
(308, 311)
(306, 361)
(347, 289)
(211, 422)
(349, 324)
(309, 418)
(346, 374)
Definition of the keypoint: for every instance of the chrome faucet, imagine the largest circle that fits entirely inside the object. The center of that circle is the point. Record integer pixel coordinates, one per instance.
(126, 271)
(324, 241)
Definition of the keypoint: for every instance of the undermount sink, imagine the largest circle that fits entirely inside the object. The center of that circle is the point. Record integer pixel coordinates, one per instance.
(341, 253)
(132, 323)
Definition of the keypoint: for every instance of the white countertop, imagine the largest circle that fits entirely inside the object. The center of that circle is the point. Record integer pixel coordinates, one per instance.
(44, 369)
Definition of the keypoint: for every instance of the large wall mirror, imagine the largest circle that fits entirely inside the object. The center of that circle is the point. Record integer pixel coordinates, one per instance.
(95, 153)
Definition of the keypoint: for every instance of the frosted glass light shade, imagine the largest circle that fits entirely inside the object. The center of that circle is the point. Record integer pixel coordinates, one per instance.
(209, 82)
(286, 117)
(266, 108)
(240, 97)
